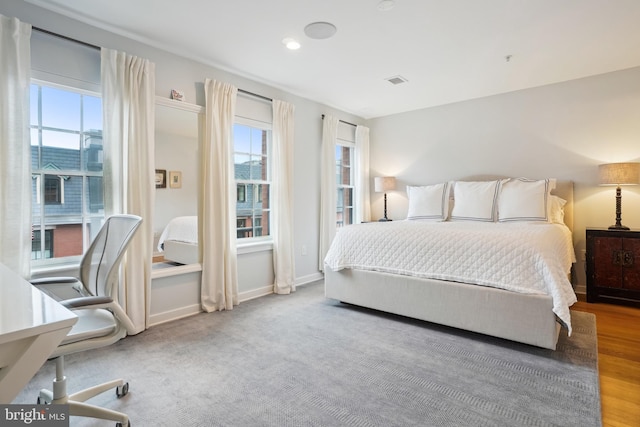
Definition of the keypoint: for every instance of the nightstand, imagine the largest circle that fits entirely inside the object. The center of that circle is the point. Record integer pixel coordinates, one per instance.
(613, 266)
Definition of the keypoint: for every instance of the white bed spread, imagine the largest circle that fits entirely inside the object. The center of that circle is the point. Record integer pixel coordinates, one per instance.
(181, 229)
(533, 258)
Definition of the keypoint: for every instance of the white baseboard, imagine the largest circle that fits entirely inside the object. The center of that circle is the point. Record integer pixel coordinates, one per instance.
(303, 280)
(178, 313)
(255, 293)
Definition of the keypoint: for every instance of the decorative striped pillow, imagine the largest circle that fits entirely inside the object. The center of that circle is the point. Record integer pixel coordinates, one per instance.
(523, 199)
(475, 200)
(428, 202)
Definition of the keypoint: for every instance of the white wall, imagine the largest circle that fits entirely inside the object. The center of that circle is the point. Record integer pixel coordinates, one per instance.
(175, 72)
(559, 131)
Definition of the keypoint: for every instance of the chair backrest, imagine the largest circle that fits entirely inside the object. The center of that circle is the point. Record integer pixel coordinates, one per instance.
(100, 264)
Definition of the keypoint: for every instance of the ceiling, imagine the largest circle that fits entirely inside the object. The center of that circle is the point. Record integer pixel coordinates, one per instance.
(448, 50)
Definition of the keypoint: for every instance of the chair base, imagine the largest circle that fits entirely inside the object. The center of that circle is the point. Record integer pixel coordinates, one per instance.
(76, 401)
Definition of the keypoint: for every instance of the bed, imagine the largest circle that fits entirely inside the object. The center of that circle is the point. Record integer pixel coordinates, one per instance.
(517, 288)
(179, 240)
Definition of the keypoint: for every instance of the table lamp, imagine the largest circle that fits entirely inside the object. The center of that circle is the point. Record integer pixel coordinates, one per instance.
(384, 184)
(619, 174)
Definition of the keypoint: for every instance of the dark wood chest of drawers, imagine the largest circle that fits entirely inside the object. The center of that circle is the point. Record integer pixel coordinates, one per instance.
(613, 266)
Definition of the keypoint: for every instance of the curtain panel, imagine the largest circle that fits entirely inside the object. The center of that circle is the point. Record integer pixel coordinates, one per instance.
(328, 189)
(217, 200)
(15, 150)
(128, 97)
(282, 198)
(361, 172)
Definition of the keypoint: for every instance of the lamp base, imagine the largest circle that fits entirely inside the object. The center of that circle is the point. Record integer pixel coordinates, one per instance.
(384, 220)
(618, 227)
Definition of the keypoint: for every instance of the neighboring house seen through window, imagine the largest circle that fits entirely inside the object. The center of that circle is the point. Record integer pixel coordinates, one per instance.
(66, 165)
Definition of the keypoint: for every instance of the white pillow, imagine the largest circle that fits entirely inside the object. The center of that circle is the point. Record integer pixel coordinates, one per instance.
(429, 202)
(524, 199)
(556, 209)
(475, 201)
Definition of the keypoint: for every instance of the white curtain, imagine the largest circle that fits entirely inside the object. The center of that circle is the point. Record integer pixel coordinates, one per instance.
(361, 172)
(15, 154)
(282, 198)
(128, 99)
(328, 189)
(217, 200)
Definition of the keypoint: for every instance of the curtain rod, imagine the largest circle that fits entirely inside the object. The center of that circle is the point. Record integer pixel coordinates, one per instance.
(342, 121)
(246, 92)
(51, 33)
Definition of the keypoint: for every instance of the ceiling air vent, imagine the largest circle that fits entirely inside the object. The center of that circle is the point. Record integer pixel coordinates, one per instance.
(396, 80)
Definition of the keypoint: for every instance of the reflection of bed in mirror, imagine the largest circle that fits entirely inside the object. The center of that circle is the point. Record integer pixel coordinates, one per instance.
(179, 240)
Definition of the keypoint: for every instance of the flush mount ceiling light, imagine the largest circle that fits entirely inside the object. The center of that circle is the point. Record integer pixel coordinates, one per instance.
(291, 44)
(320, 30)
(385, 5)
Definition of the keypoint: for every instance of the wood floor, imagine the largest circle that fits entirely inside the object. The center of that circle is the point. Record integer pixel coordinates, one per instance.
(618, 362)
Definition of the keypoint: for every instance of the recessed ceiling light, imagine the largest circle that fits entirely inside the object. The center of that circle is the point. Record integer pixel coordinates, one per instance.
(291, 44)
(385, 5)
(396, 80)
(320, 30)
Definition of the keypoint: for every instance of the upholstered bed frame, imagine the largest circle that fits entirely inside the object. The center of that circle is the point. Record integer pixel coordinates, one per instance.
(514, 316)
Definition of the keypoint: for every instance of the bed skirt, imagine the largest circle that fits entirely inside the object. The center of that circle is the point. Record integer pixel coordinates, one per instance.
(504, 314)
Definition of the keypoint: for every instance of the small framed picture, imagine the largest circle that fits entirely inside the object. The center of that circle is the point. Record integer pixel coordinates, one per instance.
(175, 179)
(161, 178)
(178, 95)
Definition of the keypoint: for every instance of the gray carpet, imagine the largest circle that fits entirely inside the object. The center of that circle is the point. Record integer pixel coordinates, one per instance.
(303, 360)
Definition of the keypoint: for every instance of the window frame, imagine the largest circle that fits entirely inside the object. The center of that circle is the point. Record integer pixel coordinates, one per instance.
(340, 186)
(264, 126)
(88, 220)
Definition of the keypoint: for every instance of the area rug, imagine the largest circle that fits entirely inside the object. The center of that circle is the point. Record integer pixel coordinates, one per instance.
(304, 360)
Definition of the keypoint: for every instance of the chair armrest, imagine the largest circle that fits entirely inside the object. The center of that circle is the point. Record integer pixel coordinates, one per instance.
(86, 302)
(52, 280)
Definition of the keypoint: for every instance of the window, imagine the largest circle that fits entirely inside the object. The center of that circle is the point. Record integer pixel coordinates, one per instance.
(66, 164)
(345, 183)
(241, 193)
(37, 246)
(252, 148)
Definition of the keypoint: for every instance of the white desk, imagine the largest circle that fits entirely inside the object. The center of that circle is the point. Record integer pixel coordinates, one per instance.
(32, 325)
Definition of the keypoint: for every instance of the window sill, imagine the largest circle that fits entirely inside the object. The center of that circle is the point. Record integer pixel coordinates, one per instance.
(251, 247)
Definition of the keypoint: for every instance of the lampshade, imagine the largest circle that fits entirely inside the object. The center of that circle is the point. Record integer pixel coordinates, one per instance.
(619, 173)
(384, 183)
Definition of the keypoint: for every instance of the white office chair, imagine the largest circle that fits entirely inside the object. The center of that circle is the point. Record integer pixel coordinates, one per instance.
(101, 320)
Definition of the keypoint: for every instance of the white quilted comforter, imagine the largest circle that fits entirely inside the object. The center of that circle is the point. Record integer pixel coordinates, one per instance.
(181, 229)
(532, 258)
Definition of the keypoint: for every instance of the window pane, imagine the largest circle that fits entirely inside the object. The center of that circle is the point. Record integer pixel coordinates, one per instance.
(348, 197)
(242, 139)
(262, 196)
(60, 109)
(242, 166)
(257, 172)
(60, 150)
(262, 224)
(258, 141)
(93, 154)
(94, 195)
(348, 216)
(92, 113)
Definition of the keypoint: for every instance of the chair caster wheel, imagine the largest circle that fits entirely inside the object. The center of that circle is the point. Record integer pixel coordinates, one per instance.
(120, 424)
(40, 401)
(122, 390)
